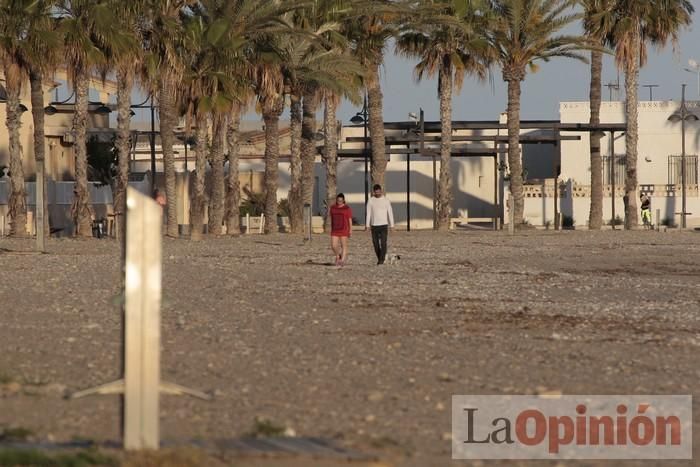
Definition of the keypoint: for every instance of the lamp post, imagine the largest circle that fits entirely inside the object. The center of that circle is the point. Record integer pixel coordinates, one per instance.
(152, 138)
(683, 115)
(189, 142)
(694, 68)
(420, 122)
(651, 90)
(362, 117)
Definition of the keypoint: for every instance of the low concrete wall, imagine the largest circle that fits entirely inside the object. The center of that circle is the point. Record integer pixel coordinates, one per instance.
(574, 201)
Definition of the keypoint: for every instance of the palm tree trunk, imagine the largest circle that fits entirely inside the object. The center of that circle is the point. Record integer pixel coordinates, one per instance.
(125, 81)
(233, 187)
(198, 194)
(514, 161)
(272, 109)
(18, 194)
(216, 211)
(296, 202)
(595, 216)
(631, 136)
(444, 200)
(36, 84)
(168, 118)
(308, 145)
(376, 124)
(81, 210)
(330, 154)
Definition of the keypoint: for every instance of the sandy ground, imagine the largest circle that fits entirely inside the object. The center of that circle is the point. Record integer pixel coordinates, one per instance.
(366, 355)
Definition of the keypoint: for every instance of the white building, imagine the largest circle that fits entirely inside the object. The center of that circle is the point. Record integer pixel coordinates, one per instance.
(658, 164)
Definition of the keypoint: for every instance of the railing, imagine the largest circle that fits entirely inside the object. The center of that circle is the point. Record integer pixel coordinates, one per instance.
(61, 193)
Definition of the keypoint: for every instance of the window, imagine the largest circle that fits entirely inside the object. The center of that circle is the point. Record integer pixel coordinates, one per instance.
(618, 170)
(691, 170)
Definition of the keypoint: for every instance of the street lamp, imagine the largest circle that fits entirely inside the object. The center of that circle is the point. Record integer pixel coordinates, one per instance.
(187, 141)
(694, 68)
(103, 109)
(152, 138)
(682, 115)
(51, 108)
(363, 117)
(419, 120)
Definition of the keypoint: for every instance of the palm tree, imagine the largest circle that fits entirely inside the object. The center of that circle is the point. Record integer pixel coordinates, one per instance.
(372, 26)
(41, 56)
(204, 93)
(29, 44)
(330, 151)
(17, 202)
(451, 50)
(313, 61)
(216, 161)
(521, 33)
(163, 70)
(269, 87)
(637, 24)
(126, 64)
(272, 103)
(233, 185)
(17, 21)
(197, 194)
(217, 38)
(89, 29)
(597, 25)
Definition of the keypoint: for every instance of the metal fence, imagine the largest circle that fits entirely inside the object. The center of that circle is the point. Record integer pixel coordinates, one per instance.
(61, 193)
(675, 169)
(619, 170)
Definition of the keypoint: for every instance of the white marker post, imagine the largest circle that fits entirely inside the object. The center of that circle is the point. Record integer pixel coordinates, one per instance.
(511, 216)
(141, 385)
(142, 337)
(307, 222)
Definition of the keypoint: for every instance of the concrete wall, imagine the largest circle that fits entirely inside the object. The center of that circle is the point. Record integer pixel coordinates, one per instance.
(658, 139)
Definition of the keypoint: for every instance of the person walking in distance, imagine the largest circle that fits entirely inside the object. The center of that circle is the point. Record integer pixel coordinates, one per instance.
(341, 229)
(380, 218)
(646, 210)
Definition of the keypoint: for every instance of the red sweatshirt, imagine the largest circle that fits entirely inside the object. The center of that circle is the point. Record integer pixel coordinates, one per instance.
(341, 220)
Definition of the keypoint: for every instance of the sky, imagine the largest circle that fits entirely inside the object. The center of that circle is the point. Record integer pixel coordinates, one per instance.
(556, 81)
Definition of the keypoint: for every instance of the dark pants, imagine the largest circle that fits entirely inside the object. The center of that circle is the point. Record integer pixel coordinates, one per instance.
(379, 237)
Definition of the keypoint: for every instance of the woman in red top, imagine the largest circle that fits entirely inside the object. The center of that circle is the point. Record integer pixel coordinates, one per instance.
(341, 229)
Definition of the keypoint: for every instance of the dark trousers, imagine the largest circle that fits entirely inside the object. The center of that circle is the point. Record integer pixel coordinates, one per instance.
(379, 237)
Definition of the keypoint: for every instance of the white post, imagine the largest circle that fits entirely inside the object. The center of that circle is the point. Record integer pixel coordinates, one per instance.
(308, 226)
(261, 229)
(141, 384)
(247, 223)
(142, 318)
(658, 219)
(39, 206)
(511, 216)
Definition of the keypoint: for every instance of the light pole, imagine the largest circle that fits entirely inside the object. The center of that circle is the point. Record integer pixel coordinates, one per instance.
(420, 122)
(694, 68)
(651, 90)
(683, 115)
(362, 117)
(152, 139)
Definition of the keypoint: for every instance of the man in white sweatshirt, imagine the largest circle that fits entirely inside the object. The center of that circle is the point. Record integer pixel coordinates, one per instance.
(380, 218)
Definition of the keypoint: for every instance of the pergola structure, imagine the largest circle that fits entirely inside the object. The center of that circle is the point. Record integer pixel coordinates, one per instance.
(460, 143)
